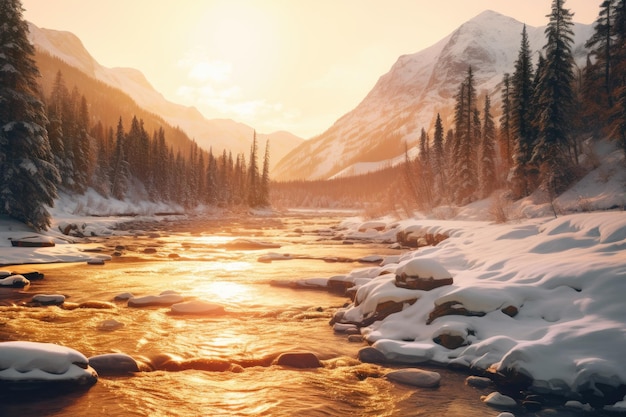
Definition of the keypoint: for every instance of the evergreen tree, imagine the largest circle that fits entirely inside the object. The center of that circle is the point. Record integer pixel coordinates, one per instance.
(253, 175)
(522, 130)
(600, 73)
(439, 156)
(617, 116)
(120, 172)
(488, 179)
(264, 199)
(505, 136)
(465, 152)
(556, 101)
(28, 177)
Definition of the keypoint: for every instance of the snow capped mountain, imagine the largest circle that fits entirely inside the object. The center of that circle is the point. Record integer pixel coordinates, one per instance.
(409, 96)
(218, 134)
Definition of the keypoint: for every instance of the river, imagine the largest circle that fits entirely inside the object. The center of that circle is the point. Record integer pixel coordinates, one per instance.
(261, 321)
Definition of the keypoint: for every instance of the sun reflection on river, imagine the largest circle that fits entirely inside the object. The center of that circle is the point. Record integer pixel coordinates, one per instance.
(225, 292)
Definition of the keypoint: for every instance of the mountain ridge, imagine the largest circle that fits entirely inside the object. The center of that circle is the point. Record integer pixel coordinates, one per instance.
(214, 134)
(417, 87)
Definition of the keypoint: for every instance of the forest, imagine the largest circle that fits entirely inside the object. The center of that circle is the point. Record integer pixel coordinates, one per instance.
(550, 113)
(75, 138)
(62, 141)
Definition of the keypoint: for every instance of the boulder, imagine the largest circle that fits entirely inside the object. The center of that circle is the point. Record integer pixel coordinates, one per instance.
(301, 360)
(495, 399)
(422, 274)
(48, 299)
(415, 377)
(451, 308)
(29, 369)
(114, 364)
(371, 355)
(197, 307)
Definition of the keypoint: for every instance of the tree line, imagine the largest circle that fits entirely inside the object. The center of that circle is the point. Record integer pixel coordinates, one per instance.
(50, 143)
(547, 110)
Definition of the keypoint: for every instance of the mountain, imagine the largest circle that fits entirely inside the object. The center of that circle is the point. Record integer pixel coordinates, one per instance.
(218, 134)
(410, 95)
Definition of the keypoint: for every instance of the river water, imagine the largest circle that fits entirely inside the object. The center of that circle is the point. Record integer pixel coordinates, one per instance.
(261, 321)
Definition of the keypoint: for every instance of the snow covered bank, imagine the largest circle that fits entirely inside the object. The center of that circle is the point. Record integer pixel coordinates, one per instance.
(562, 281)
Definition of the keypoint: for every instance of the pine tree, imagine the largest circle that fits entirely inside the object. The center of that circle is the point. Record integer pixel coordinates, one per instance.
(264, 199)
(556, 101)
(28, 177)
(439, 158)
(120, 172)
(488, 180)
(600, 73)
(505, 136)
(465, 152)
(522, 130)
(617, 116)
(253, 175)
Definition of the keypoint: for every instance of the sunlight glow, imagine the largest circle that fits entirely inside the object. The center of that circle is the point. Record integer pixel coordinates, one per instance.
(223, 291)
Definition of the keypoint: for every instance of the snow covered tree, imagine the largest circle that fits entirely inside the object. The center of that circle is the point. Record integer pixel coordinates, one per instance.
(556, 102)
(28, 176)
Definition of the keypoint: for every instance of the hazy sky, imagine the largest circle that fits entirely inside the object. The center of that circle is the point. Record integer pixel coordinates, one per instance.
(295, 65)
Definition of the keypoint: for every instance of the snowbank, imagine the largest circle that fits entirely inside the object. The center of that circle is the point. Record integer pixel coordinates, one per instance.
(562, 279)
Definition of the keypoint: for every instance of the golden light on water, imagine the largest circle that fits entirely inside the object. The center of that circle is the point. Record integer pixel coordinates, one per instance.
(225, 292)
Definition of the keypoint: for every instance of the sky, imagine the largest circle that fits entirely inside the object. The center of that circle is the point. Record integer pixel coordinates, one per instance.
(293, 65)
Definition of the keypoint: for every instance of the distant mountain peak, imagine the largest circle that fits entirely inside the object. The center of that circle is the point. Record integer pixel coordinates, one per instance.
(416, 88)
(215, 134)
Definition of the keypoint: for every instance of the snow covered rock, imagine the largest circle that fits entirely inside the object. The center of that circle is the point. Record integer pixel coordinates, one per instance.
(14, 281)
(422, 274)
(48, 299)
(29, 367)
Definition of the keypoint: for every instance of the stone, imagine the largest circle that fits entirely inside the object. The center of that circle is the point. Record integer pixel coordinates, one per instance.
(114, 364)
(355, 338)
(197, 307)
(371, 355)
(301, 360)
(495, 399)
(451, 308)
(450, 341)
(478, 381)
(48, 299)
(423, 284)
(510, 311)
(415, 377)
(110, 325)
(162, 300)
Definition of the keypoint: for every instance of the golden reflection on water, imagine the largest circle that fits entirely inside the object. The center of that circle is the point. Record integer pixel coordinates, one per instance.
(260, 321)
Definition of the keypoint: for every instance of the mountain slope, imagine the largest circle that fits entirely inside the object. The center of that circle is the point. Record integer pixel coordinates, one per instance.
(409, 96)
(218, 134)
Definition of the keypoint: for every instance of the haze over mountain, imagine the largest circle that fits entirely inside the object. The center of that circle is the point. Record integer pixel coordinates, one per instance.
(218, 134)
(409, 96)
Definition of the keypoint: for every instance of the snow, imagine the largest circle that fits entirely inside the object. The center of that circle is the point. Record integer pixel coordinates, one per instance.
(25, 361)
(565, 276)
